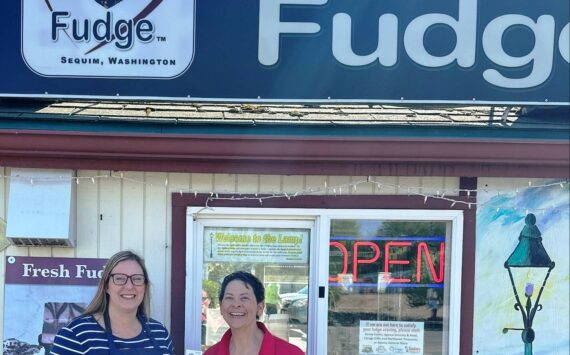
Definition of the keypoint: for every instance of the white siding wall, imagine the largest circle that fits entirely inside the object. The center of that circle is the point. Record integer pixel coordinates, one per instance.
(134, 212)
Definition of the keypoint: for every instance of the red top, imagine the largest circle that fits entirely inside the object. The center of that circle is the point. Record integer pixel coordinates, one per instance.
(271, 345)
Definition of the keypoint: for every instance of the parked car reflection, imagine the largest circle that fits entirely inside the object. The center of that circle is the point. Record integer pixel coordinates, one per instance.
(298, 311)
(286, 299)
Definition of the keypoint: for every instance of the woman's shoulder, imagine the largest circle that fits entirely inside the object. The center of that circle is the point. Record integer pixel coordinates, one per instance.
(284, 347)
(281, 346)
(214, 349)
(82, 327)
(155, 324)
(80, 334)
(83, 321)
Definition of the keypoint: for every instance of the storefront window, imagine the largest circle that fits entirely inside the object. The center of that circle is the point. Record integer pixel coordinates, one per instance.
(388, 287)
(337, 281)
(279, 257)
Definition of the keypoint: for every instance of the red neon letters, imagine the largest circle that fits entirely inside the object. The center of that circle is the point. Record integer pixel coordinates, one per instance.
(422, 250)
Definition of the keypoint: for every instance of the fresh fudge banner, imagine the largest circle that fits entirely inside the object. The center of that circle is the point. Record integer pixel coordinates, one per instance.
(41, 296)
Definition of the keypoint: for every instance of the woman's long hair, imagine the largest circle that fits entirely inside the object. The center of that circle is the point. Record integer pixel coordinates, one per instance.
(100, 302)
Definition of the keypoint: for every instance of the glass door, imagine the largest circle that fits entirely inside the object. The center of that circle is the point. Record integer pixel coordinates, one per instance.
(276, 251)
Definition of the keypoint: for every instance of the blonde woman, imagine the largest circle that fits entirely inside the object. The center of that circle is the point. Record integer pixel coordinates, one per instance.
(117, 319)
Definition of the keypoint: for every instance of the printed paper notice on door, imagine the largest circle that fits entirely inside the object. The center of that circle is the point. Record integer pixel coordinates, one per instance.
(390, 337)
(274, 245)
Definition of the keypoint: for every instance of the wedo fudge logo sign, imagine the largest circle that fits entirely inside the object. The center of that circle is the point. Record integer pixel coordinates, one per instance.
(108, 38)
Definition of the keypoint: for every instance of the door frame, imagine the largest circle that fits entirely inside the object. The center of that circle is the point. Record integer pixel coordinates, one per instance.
(318, 260)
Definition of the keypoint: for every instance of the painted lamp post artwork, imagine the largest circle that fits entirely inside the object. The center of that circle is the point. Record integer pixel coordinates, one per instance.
(529, 253)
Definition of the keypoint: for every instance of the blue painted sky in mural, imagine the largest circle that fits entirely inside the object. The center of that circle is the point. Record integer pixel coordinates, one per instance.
(500, 220)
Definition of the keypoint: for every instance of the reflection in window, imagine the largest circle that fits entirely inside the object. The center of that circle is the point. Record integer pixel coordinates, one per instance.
(387, 289)
(278, 257)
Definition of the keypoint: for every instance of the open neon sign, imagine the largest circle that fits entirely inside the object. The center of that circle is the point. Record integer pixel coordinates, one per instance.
(370, 246)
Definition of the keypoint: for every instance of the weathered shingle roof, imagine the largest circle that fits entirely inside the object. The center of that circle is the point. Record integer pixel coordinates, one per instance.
(282, 114)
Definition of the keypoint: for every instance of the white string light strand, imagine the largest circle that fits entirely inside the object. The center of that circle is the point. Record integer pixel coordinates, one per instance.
(324, 190)
(438, 195)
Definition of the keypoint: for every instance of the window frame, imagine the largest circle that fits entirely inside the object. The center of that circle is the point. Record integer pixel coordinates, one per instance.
(318, 259)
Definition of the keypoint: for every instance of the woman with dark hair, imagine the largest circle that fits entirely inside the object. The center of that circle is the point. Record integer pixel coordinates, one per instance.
(117, 321)
(242, 298)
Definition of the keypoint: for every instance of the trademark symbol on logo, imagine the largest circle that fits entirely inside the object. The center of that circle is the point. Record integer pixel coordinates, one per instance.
(108, 3)
(161, 38)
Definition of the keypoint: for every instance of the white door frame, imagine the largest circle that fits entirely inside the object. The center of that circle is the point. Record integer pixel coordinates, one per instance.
(318, 220)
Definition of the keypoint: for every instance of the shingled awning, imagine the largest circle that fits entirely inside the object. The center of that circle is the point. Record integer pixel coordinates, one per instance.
(310, 139)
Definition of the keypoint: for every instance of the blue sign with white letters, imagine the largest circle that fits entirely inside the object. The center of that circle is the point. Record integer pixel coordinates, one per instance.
(368, 51)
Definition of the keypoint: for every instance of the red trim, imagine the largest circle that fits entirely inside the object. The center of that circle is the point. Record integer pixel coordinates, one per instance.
(468, 282)
(284, 155)
(181, 201)
(468, 272)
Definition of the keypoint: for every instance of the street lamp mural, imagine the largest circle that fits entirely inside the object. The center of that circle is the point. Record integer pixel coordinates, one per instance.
(522, 260)
(529, 253)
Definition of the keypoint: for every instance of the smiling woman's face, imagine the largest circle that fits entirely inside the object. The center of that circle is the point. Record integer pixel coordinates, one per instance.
(239, 306)
(127, 297)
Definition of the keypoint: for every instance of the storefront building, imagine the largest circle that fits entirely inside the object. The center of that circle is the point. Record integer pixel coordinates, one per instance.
(397, 176)
(363, 231)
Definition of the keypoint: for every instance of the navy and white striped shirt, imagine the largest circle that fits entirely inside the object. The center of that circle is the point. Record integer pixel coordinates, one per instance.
(84, 335)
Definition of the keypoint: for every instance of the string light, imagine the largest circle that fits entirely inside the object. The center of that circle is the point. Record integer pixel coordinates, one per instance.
(411, 190)
(439, 194)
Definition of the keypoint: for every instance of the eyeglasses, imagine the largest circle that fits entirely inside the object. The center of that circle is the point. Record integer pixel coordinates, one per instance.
(121, 279)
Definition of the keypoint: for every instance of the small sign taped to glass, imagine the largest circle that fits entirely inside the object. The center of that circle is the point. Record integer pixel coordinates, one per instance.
(391, 337)
(275, 245)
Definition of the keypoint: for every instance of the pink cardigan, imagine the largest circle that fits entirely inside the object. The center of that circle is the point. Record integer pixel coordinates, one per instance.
(271, 345)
